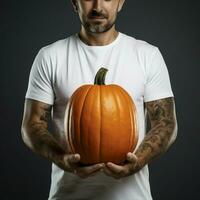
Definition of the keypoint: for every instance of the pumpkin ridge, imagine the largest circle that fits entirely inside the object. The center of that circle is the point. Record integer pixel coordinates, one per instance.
(132, 107)
(78, 97)
(135, 128)
(73, 98)
(68, 121)
(134, 115)
(121, 91)
(88, 142)
(80, 119)
(116, 102)
(100, 151)
(132, 128)
(100, 127)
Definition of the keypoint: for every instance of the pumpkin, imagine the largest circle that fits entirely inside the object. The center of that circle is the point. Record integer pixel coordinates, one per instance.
(100, 122)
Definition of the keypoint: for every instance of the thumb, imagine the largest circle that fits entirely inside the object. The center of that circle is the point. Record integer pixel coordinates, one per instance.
(131, 157)
(73, 158)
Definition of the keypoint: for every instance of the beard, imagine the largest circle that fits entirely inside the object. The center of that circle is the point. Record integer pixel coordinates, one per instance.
(98, 27)
(93, 26)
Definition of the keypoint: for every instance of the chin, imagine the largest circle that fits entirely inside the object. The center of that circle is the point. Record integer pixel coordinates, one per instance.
(98, 28)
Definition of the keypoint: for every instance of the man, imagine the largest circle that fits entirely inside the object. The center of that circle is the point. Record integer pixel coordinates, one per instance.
(65, 65)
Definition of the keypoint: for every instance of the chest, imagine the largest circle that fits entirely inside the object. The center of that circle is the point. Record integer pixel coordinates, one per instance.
(80, 67)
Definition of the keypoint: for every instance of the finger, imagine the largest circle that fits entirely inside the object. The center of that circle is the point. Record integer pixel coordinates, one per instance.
(73, 158)
(90, 169)
(94, 168)
(131, 157)
(115, 168)
(71, 161)
(110, 173)
(133, 160)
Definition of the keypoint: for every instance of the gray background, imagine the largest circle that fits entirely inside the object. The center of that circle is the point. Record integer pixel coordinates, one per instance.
(173, 26)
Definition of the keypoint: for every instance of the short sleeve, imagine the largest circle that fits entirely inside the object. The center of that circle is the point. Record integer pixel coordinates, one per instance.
(157, 84)
(40, 82)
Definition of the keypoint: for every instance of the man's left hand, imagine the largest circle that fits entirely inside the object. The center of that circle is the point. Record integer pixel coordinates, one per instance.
(119, 171)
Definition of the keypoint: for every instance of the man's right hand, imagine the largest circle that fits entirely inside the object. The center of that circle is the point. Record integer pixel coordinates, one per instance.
(70, 163)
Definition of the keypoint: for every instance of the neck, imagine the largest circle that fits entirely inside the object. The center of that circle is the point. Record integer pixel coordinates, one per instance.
(98, 39)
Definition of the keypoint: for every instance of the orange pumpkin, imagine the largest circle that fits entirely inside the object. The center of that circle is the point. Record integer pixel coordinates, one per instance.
(100, 122)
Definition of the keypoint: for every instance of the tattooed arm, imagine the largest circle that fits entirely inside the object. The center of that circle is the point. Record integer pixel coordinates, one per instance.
(163, 130)
(35, 130)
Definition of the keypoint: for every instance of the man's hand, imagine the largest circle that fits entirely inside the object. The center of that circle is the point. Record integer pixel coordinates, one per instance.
(70, 163)
(118, 171)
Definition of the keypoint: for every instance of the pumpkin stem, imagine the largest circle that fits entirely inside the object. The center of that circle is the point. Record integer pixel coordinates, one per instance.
(100, 76)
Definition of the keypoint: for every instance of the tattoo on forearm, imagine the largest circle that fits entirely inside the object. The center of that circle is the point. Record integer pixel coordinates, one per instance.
(161, 116)
(43, 142)
(45, 113)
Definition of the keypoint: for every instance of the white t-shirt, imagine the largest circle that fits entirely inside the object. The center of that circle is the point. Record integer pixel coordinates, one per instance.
(60, 68)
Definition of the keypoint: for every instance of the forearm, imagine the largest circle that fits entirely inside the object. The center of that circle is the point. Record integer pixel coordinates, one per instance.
(156, 143)
(41, 142)
(35, 133)
(163, 130)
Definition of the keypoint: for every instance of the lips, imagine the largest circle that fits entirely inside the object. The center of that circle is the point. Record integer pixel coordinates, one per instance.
(97, 17)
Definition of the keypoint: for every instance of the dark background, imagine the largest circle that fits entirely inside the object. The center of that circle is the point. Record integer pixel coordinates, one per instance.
(173, 26)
